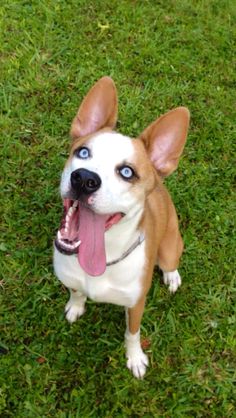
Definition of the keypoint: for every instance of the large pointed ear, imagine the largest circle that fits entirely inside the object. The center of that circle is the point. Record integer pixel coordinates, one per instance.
(98, 109)
(164, 139)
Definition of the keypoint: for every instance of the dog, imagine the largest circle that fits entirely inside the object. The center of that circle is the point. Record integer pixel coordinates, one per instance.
(119, 221)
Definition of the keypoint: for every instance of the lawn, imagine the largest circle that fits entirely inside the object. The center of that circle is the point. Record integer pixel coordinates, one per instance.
(161, 54)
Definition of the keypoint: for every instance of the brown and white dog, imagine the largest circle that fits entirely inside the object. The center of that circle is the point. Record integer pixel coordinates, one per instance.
(119, 220)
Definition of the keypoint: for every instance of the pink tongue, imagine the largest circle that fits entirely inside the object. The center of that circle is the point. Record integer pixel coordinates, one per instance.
(91, 252)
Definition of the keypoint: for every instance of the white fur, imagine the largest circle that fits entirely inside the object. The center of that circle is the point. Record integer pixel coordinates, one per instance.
(75, 307)
(173, 279)
(137, 361)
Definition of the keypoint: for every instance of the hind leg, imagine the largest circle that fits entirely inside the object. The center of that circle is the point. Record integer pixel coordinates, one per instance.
(172, 279)
(169, 253)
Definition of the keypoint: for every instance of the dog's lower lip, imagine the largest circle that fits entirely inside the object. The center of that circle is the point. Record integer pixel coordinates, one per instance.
(64, 250)
(65, 245)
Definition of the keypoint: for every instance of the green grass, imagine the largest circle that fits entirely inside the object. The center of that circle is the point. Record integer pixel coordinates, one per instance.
(161, 54)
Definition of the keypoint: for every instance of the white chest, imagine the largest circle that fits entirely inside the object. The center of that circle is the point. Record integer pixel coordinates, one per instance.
(120, 284)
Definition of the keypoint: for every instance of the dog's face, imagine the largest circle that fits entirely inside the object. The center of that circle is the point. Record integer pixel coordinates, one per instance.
(108, 176)
(119, 168)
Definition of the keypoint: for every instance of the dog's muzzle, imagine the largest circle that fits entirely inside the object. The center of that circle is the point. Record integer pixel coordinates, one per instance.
(84, 182)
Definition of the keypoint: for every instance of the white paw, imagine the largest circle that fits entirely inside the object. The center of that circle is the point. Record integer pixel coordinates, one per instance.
(173, 279)
(137, 363)
(74, 311)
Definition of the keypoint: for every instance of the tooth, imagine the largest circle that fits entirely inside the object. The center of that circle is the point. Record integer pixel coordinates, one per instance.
(77, 243)
(70, 211)
(59, 235)
(75, 204)
(74, 246)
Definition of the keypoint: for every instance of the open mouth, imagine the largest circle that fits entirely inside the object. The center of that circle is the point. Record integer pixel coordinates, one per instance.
(67, 239)
(82, 232)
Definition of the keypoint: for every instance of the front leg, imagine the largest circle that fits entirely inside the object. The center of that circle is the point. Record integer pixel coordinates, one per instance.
(137, 361)
(75, 307)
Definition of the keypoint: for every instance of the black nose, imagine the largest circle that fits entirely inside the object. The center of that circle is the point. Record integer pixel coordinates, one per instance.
(84, 181)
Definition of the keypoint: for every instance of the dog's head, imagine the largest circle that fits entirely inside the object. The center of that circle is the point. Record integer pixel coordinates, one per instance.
(108, 175)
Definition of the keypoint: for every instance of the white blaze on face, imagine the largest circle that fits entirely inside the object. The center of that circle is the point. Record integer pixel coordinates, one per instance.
(108, 151)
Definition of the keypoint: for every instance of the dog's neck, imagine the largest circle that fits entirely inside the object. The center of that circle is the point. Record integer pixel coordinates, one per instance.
(123, 235)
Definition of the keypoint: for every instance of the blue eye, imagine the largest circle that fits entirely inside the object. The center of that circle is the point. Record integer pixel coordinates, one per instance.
(126, 172)
(82, 153)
